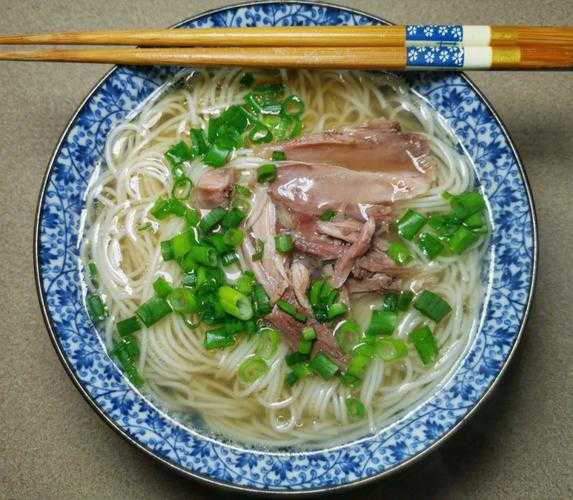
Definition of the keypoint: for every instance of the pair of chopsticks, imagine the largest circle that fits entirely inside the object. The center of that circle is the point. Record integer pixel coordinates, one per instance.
(418, 47)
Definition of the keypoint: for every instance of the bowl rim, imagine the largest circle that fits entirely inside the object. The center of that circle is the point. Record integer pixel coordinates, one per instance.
(245, 489)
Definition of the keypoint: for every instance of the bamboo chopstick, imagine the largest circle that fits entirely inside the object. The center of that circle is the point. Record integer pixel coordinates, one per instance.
(315, 36)
(382, 58)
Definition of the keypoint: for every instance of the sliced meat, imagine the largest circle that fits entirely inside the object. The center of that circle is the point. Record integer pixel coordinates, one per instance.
(271, 270)
(300, 279)
(378, 262)
(345, 230)
(307, 240)
(358, 248)
(382, 214)
(376, 146)
(373, 283)
(311, 189)
(214, 186)
(291, 329)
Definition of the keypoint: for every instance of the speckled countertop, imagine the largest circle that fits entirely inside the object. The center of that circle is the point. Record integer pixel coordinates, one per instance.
(53, 445)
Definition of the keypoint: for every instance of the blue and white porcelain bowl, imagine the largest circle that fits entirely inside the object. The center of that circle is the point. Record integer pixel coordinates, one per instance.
(509, 284)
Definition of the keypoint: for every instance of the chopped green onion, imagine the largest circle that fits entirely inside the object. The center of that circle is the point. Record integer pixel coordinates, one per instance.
(261, 302)
(259, 250)
(236, 117)
(209, 279)
(233, 237)
(399, 253)
(390, 349)
(295, 357)
(218, 339)
(268, 340)
(461, 240)
(161, 208)
(335, 310)
(153, 310)
(305, 346)
(233, 218)
(92, 271)
(390, 302)
(217, 156)
(466, 204)
(189, 278)
(126, 352)
(293, 106)
(252, 369)
(349, 380)
(235, 303)
(474, 221)
(245, 282)
(295, 127)
(323, 365)
(355, 409)
(96, 308)
(180, 245)
(267, 173)
(284, 243)
(308, 333)
(357, 365)
(278, 156)
(291, 310)
(260, 133)
(410, 223)
(213, 218)
(233, 326)
(347, 334)
(299, 371)
(200, 145)
(432, 305)
(204, 255)
(382, 323)
(182, 188)
(430, 246)
(178, 153)
(211, 311)
(192, 217)
(128, 326)
(247, 79)
(229, 259)
(177, 207)
(425, 344)
(442, 224)
(183, 300)
(242, 190)
(327, 215)
(404, 300)
(291, 379)
(167, 250)
(161, 287)
(217, 241)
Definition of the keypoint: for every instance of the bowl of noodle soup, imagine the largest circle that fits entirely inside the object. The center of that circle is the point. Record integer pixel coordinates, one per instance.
(179, 288)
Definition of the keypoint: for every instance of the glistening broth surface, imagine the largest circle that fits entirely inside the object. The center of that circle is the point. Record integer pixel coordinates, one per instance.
(123, 241)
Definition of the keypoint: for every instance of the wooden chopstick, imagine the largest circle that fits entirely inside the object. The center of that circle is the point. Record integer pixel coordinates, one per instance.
(313, 36)
(381, 58)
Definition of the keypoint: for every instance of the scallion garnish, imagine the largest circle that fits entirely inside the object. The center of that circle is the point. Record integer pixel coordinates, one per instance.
(399, 253)
(128, 326)
(323, 366)
(233, 217)
(178, 153)
(162, 287)
(432, 305)
(425, 344)
(382, 323)
(96, 307)
(461, 240)
(291, 310)
(233, 237)
(153, 310)
(213, 218)
(182, 187)
(278, 156)
(245, 282)
(229, 259)
(284, 243)
(430, 246)
(252, 369)
(261, 301)
(410, 223)
(235, 303)
(327, 215)
(218, 339)
(183, 301)
(268, 340)
(204, 255)
(390, 349)
(347, 334)
(180, 245)
(267, 173)
(355, 409)
(335, 310)
(404, 299)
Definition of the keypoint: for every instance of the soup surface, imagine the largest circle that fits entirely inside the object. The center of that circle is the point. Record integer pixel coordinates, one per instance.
(294, 256)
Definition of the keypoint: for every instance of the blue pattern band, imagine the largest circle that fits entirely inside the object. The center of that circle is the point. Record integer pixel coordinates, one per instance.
(442, 56)
(434, 33)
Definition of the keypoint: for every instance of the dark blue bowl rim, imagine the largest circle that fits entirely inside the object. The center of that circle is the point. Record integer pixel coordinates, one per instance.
(229, 486)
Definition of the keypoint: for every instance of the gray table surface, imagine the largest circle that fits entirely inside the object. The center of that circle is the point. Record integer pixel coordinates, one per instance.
(53, 445)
